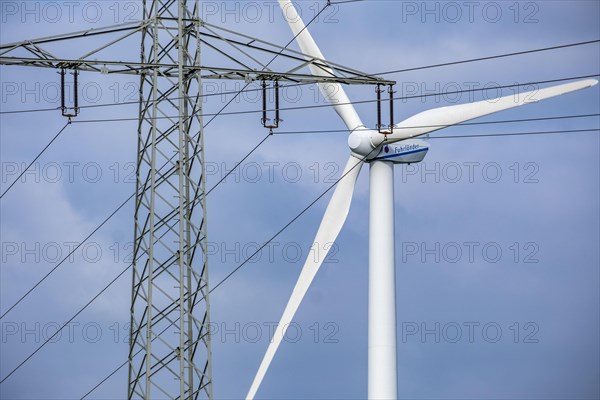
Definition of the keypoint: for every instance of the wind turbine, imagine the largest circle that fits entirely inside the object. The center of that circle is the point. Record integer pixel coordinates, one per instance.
(381, 152)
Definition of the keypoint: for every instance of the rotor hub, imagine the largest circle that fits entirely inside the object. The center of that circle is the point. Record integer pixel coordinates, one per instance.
(363, 142)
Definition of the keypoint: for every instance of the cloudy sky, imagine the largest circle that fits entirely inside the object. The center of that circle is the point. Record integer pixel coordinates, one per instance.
(497, 237)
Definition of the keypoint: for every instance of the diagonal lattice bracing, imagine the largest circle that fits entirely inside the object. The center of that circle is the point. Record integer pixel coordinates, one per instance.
(170, 346)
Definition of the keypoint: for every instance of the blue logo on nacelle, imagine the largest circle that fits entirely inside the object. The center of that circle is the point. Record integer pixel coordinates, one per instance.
(406, 152)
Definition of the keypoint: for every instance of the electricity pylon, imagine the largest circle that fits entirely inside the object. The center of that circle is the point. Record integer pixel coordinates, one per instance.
(170, 341)
(170, 351)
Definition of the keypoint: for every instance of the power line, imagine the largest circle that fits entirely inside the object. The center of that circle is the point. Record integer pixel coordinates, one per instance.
(363, 160)
(253, 254)
(303, 211)
(264, 245)
(110, 216)
(288, 224)
(316, 106)
(339, 179)
(441, 126)
(217, 184)
(130, 197)
(68, 255)
(81, 310)
(35, 159)
(345, 1)
(328, 131)
(109, 375)
(123, 103)
(261, 247)
(105, 220)
(234, 92)
(298, 34)
(306, 209)
(420, 96)
(325, 131)
(314, 202)
(310, 83)
(517, 53)
(238, 164)
(515, 133)
(63, 326)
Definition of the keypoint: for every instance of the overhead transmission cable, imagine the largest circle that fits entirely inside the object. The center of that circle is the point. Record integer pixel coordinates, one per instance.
(130, 197)
(73, 317)
(260, 143)
(310, 205)
(285, 227)
(63, 326)
(35, 159)
(94, 298)
(470, 60)
(307, 208)
(110, 216)
(441, 137)
(346, 1)
(298, 216)
(506, 121)
(515, 133)
(67, 256)
(259, 249)
(420, 96)
(337, 130)
(245, 90)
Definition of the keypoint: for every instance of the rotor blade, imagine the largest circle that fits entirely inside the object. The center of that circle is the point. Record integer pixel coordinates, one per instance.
(438, 118)
(333, 92)
(332, 223)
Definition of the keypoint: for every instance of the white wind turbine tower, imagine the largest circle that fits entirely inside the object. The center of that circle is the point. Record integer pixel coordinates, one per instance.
(381, 152)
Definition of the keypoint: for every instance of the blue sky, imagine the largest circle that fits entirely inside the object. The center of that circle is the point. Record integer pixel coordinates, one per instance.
(497, 238)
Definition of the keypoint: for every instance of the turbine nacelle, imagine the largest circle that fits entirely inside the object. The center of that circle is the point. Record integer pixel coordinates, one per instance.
(371, 145)
(405, 152)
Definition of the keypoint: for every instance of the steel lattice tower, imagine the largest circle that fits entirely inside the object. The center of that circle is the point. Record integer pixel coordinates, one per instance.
(169, 344)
